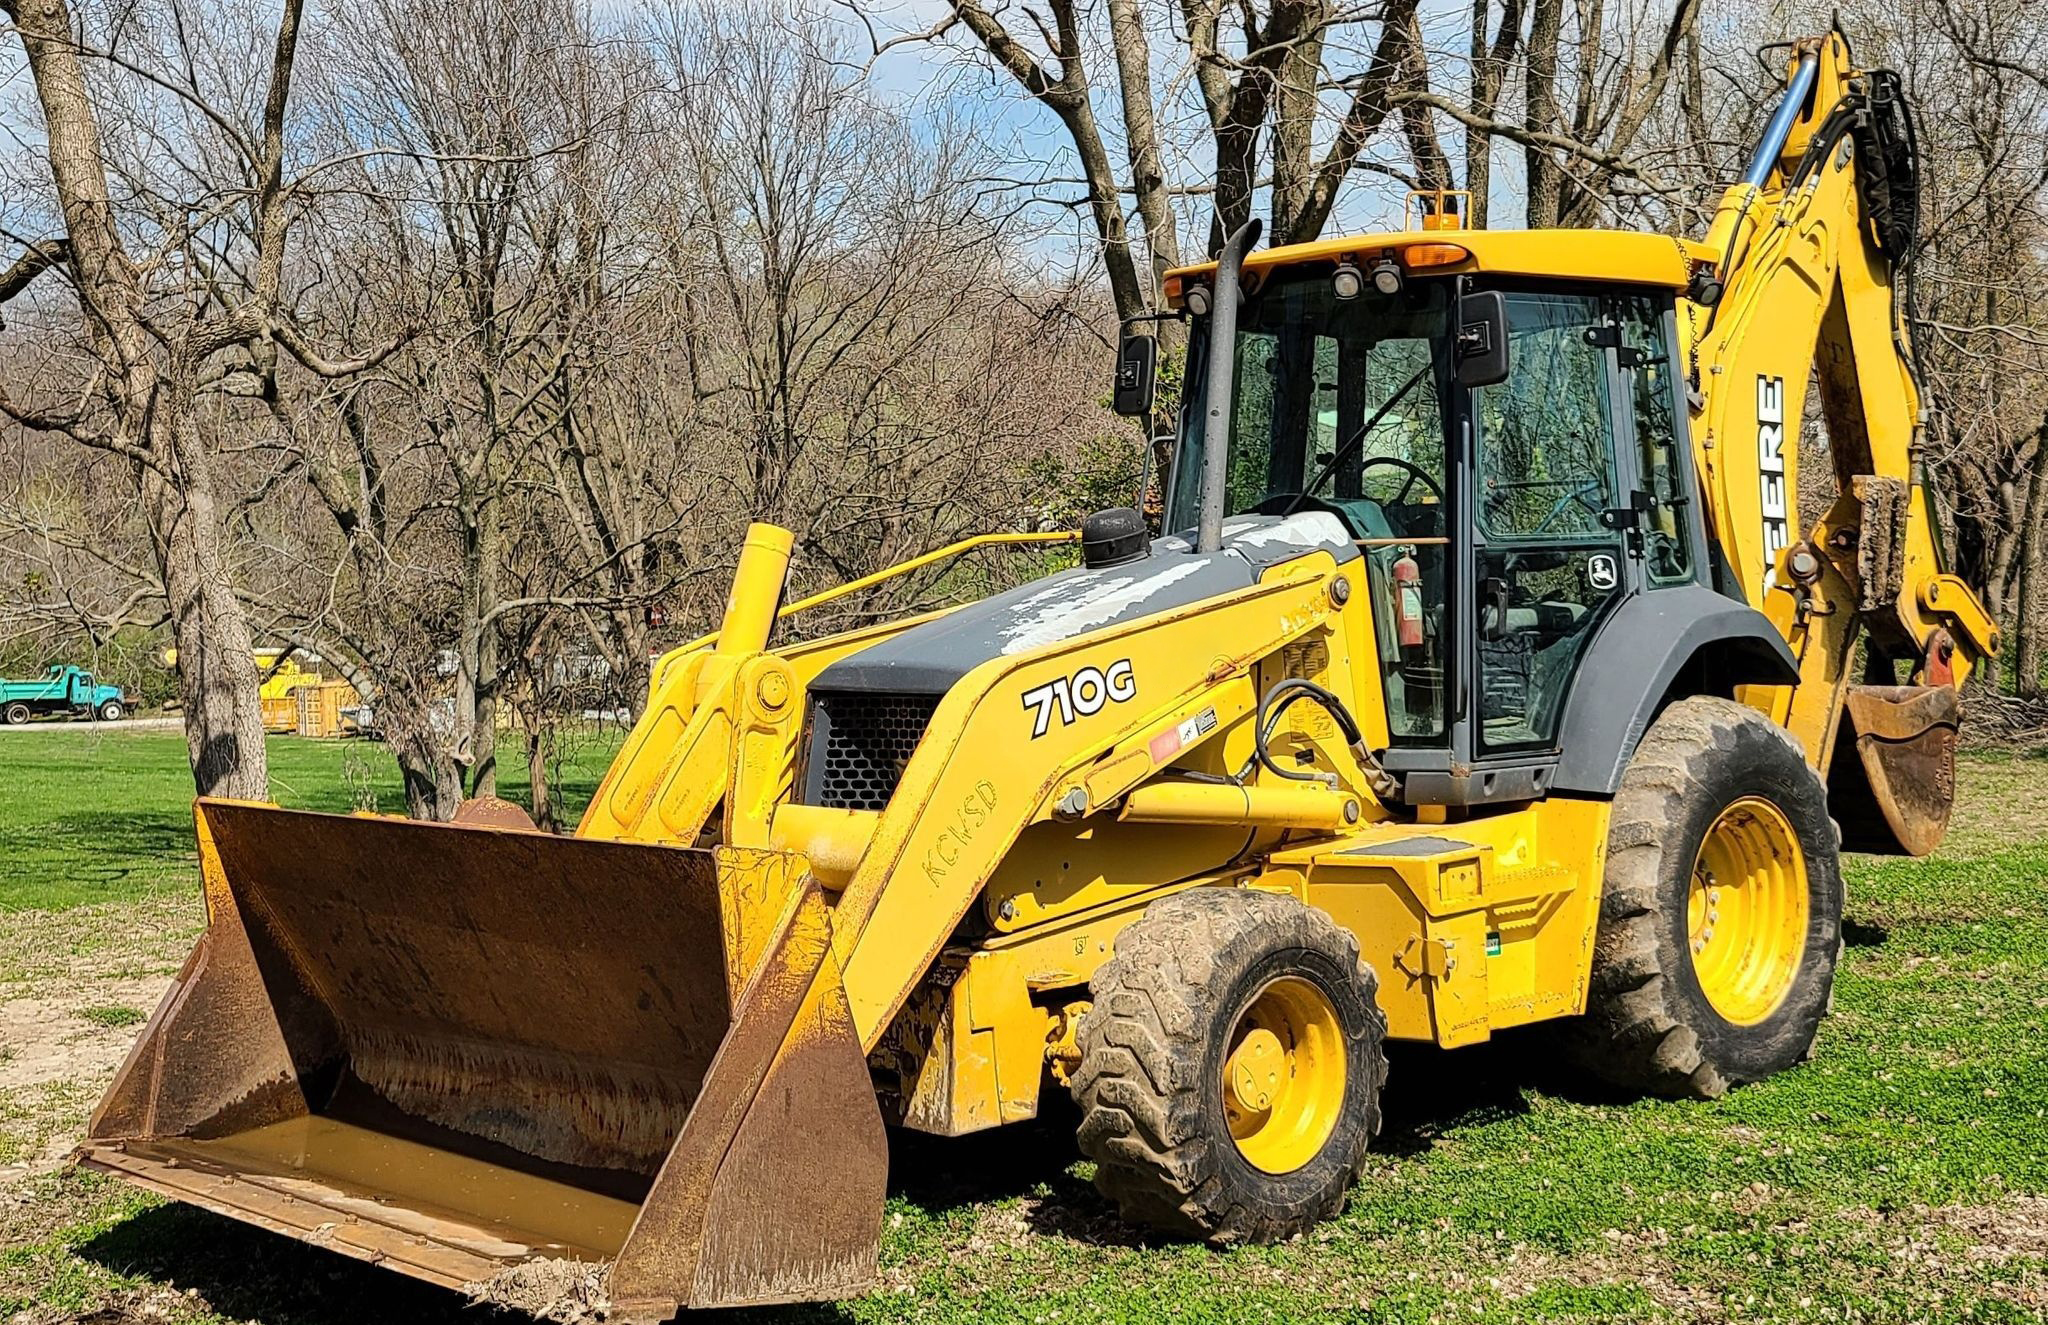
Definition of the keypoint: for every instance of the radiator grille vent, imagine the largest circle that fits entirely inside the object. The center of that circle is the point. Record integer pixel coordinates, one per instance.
(859, 745)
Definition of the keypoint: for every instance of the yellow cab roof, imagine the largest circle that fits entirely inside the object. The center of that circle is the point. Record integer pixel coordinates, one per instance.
(1630, 256)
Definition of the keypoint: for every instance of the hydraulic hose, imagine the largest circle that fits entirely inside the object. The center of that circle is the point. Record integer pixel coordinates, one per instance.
(1282, 695)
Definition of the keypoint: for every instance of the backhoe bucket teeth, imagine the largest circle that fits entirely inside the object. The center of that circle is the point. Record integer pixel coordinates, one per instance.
(527, 1066)
(1893, 797)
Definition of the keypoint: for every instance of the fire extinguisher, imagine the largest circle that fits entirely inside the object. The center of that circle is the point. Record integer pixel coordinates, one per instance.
(1407, 577)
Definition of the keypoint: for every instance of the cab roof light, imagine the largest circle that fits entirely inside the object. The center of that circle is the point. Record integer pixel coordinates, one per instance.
(1433, 255)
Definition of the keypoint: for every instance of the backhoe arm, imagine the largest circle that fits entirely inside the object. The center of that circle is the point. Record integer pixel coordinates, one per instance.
(1811, 244)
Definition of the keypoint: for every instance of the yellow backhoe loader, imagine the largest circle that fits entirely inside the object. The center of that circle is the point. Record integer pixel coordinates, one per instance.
(1493, 678)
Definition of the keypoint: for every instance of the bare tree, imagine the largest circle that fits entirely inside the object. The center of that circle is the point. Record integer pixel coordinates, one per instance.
(164, 325)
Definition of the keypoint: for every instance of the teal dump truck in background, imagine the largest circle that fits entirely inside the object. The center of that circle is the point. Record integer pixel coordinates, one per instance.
(64, 689)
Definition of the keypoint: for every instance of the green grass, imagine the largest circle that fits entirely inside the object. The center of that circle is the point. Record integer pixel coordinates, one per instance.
(1900, 1176)
(95, 816)
(113, 1016)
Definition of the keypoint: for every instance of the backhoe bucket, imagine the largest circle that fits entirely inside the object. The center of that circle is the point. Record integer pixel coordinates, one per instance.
(1893, 796)
(543, 1070)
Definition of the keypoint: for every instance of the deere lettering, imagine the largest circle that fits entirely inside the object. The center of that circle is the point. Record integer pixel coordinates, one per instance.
(1770, 459)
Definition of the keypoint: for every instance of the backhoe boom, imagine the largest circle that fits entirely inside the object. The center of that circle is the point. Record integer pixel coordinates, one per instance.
(1810, 248)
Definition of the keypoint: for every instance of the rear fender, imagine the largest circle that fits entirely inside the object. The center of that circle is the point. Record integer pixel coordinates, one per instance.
(1645, 648)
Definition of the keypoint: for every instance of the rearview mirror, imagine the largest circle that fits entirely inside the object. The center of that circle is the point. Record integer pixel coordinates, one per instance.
(1137, 359)
(1482, 339)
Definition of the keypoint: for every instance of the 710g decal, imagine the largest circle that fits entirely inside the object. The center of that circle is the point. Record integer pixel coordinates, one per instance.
(1083, 693)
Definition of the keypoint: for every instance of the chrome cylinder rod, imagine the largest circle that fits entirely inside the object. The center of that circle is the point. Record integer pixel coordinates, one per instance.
(1780, 128)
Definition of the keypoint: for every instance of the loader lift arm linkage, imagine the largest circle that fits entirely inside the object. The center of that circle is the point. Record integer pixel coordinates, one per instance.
(1486, 676)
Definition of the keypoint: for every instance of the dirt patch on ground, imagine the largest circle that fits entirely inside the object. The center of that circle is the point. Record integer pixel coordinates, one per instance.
(52, 951)
(2017, 1227)
(72, 1036)
(74, 988)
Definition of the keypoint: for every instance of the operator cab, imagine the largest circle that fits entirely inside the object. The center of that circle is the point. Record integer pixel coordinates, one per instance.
(1504, 515)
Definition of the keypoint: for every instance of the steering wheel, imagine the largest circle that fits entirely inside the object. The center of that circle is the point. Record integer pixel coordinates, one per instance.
(1284, 503)
(1578, 491)
(1293, 503)
(1577, 494)
(1415, 473)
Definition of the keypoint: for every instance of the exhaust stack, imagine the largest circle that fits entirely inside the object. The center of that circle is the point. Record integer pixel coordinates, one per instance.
(1222, 367)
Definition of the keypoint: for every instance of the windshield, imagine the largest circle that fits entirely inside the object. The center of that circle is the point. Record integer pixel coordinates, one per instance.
(1337, 405)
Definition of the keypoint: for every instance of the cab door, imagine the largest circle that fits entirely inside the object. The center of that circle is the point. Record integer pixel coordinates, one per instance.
(1549, 537)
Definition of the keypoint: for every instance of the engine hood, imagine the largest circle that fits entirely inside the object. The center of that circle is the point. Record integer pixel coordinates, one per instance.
(929, 659)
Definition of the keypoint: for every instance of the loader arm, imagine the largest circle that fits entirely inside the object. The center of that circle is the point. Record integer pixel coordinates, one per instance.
(1811, 246)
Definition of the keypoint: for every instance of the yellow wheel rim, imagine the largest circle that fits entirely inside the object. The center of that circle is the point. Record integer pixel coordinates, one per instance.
(1746, 911)
(1283, 1076)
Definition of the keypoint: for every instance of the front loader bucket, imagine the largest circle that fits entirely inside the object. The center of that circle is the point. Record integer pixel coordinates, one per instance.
(527, 1066)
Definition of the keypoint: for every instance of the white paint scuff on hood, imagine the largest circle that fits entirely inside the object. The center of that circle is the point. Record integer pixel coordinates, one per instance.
(1061, 617)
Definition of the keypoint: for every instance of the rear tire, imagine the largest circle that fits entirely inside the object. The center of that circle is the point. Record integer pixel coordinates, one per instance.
(14, 714)
(1253, 986)
(1720, 832)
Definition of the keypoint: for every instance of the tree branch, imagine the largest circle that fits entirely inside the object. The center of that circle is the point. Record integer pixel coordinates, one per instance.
(36, 259)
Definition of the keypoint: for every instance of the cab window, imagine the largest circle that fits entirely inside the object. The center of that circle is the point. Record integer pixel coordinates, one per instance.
(1661, 462)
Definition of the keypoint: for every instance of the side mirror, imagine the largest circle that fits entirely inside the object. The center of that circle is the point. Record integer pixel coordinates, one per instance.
(1483, 339)
(1137, 362)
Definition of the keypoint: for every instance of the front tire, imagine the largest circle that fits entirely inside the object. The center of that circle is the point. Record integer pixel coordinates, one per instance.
(1721, 917)
(111, 711)
(1231, 1067)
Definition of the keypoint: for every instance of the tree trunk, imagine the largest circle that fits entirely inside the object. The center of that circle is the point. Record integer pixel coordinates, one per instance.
(153, 427)
(476, 696)
(1141, 133)
(1541, 112)
(1296, 87)
(433, 780)
(2028, 607)
(540, 749)
(1432, 167)
(217, 682)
